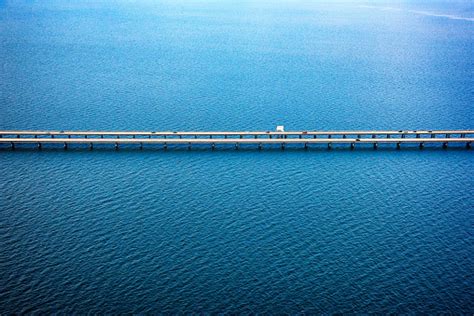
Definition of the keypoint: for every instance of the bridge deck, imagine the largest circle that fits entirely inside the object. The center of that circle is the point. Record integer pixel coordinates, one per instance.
(214, 138)
(232, 140)
(232, 133)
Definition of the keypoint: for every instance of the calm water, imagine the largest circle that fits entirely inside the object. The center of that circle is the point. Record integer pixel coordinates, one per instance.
(236, 231)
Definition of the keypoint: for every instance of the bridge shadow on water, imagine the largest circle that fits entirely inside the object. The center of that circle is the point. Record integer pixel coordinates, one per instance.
(242, 149)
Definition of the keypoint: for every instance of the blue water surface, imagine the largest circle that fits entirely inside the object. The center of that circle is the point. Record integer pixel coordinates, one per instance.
(230, 231)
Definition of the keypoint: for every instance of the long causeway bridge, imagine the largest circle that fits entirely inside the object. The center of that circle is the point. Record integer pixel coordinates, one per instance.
(257, 138)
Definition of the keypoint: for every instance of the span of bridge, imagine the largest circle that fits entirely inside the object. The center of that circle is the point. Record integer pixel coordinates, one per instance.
(260, 138)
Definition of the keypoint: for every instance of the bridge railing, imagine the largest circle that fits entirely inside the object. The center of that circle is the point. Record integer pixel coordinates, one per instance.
(243, 134)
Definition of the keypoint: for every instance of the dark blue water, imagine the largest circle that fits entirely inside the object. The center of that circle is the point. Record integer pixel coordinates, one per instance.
(243, 231)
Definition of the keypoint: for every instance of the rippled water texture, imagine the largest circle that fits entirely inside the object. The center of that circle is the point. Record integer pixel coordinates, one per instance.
(236, 231)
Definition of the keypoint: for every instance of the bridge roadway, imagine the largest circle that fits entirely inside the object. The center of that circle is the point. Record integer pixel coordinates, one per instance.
(260, 138)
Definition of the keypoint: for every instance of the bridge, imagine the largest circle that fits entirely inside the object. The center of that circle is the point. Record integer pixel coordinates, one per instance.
(259, 138)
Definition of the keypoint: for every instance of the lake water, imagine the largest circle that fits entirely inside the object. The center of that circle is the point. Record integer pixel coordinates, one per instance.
(229, 231)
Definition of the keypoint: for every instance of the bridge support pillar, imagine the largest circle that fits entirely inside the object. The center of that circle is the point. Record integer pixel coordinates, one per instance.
(12, 145)
(376, 145)
(213, 146)
(422, 145)
(116, 146)
(260, 146)
(306, 146)
(165, 146)
(352, 146)
(445, 145)
(189, 146)
(468, 145)
(329, 146)
(65, 146)
(141, 146)
(398, 145)
(236, 146)
(91, 146)
(282, 146)
(40, 146)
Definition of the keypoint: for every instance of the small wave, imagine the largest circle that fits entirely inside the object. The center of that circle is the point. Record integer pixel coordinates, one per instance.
(440, 15)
